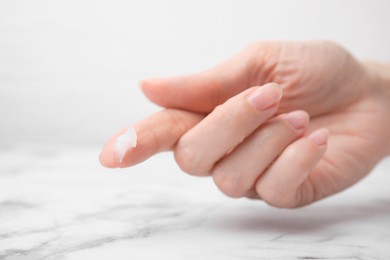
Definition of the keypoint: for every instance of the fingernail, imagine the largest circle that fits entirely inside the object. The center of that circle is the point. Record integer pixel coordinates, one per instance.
(319, 137)
(297, 119)
(124, 142)
(265, 96)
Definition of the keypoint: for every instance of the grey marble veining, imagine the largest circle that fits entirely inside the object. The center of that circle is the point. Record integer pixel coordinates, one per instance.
(56, 202)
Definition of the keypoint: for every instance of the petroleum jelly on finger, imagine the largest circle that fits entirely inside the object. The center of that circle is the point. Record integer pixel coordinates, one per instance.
(125, 142)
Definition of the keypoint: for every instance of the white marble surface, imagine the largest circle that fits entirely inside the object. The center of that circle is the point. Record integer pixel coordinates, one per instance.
(56, 202)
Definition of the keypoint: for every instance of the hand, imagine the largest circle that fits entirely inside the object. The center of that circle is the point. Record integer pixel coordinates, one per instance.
(263, 153)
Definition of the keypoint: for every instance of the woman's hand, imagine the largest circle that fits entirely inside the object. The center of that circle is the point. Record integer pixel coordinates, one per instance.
(252, 143)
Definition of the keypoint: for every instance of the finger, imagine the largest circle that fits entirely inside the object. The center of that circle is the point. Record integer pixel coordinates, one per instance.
(236, 174)
(156, 133)
(203, 91)
(282, 184)
(226, 127)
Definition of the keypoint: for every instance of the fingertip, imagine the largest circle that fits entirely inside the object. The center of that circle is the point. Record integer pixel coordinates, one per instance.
(147, 84)
(106, 159)
(155, 90)
(298, 119)
(319, 137)
(111, 157)
(144, 85)
(265, 97)
(141, 85)
(277, 86)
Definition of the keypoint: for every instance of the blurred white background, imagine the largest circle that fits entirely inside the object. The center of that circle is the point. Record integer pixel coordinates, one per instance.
(69, 70)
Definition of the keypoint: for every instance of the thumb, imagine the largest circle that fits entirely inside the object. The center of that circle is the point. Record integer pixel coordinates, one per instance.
(202, 92)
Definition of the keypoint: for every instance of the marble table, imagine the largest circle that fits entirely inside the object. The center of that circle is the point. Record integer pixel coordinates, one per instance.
(57, 202)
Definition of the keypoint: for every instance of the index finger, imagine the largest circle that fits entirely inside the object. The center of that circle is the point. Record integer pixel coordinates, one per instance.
(156, 133)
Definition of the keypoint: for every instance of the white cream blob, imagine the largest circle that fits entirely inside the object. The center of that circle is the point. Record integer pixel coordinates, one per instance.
(124, 142)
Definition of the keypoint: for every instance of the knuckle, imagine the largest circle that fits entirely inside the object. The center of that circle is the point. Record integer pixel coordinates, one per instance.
(331, 44)
(187, 160)
(251, 47)
(332, 47)
(184, 159)
(255, 46)
(270, 196)
(221, 114)
(294, 155)
(275, 199)
(227, 185)
(176, 119)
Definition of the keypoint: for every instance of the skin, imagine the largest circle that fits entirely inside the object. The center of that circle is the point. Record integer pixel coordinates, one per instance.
(267, 148)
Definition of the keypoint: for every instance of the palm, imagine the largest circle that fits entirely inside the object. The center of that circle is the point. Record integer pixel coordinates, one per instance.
(332, 94)
(351, 151)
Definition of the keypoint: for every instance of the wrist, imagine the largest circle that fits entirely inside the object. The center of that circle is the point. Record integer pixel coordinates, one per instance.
(380, 83)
